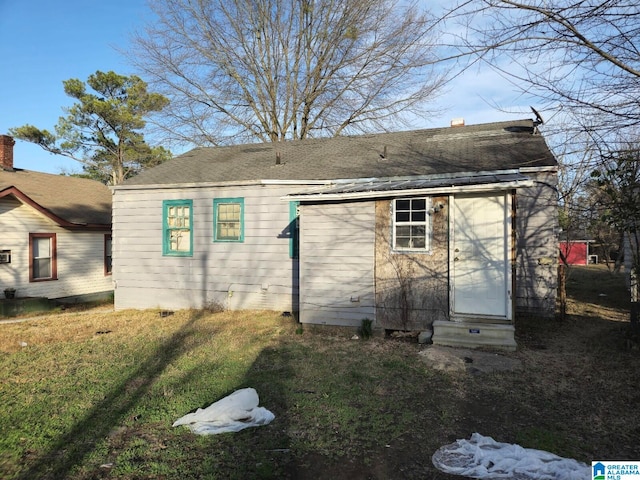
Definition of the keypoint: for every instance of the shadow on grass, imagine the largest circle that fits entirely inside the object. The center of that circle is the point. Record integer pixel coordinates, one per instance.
(595, 284)
(70, 449)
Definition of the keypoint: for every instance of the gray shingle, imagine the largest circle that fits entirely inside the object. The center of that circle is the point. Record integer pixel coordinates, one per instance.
(492, 146)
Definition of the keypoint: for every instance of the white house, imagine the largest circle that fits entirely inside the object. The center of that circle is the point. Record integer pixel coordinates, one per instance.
(56, 232)
(453, 229)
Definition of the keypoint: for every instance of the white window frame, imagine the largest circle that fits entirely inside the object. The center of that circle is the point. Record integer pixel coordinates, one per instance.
(410, 219)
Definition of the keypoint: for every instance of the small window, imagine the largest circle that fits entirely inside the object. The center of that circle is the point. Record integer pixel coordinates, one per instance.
(42, 257)
(177, 228)
(107, 254)
(411, 224)
(228, 220)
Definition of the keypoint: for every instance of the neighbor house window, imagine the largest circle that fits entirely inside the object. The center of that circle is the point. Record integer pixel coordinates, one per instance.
(42, 257)
(228, 220)
(107, 254)
(411, 228)
(177, 228)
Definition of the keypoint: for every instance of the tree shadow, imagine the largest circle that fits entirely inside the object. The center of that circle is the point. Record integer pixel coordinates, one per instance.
(71, 448)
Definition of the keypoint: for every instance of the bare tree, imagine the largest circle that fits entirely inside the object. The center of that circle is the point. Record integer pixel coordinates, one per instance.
(582, 56)
(268, 70)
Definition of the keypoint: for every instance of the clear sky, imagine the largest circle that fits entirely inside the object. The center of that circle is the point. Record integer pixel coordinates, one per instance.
(44, 42)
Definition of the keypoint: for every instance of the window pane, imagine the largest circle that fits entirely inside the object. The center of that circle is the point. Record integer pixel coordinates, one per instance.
(402, 242)
(229, 212)
(228, 231)
(41, 247)
(418, 231)
(402, 216)
(418, 204)
(418, 242)
(180, 240)
(403, 231)
(42, 268)
(418, 216)
(403, 204)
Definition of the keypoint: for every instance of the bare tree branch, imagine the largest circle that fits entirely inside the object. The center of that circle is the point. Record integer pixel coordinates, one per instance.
(269, 70)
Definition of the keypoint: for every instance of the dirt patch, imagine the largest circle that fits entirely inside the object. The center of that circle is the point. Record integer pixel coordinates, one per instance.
(449, 359)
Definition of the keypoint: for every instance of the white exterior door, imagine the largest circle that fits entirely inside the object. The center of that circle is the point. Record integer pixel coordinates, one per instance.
(479, 256)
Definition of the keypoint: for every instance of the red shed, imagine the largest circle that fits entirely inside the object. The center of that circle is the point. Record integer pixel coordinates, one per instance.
(576, 252)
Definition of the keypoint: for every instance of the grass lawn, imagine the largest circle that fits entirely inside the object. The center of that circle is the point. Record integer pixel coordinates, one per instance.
(93, 395)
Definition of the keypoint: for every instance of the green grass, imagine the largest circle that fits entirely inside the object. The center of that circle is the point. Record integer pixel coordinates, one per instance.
(88, 399)
(94, 395)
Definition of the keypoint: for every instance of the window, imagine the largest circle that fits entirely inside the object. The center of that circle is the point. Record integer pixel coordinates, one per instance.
(177, 228)
(228, 220)
(42, 257)
(411, 224)
(107, 254)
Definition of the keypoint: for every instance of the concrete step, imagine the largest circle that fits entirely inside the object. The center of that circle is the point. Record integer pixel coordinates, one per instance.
(470, 334)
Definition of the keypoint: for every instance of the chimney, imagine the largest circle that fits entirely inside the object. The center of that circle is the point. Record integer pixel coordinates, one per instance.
(6, 152)
(457, 122)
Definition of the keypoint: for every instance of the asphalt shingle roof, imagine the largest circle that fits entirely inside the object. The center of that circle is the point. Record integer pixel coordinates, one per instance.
(76, 200)
(486, 147)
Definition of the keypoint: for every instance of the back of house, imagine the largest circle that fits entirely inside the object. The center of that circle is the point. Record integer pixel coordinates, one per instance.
(419, 230)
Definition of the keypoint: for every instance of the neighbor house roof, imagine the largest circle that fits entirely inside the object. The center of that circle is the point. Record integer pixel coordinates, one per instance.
(487, 147)
(68, 201)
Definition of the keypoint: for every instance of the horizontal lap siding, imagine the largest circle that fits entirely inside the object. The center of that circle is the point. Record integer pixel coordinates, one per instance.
(337, 260)
(80, 255)
(537, 246)
(256, 273)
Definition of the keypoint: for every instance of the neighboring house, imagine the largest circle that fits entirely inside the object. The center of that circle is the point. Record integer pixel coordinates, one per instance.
(56, 232)
(453, 229)
(577, 252)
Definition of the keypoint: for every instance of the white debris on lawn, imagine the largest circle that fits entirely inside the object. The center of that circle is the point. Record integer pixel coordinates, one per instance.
(483, 457)
(230, 414)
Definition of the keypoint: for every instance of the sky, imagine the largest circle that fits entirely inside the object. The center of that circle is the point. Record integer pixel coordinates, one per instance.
(44, 42)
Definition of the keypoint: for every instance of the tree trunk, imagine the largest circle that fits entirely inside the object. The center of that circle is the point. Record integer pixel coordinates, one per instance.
(562, 290)
(635, 307)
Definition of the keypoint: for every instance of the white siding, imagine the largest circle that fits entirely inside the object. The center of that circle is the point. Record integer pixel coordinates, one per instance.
(254, 274)
(80, 255)
(337, 247)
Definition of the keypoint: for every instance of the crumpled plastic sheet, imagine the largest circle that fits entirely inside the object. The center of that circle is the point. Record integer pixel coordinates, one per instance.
(232, 413)
(483, 457)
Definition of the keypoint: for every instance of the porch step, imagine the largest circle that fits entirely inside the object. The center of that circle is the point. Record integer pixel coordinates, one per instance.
(474, 335)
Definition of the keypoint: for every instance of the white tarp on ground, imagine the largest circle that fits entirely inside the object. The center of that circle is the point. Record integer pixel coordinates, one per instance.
(483, 457)
(230, 414)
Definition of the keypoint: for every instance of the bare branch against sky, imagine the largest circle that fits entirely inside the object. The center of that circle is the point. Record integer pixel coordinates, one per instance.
(288, 69)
